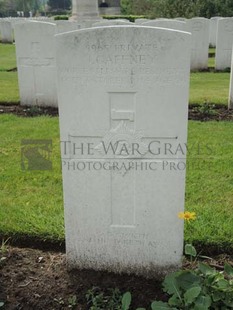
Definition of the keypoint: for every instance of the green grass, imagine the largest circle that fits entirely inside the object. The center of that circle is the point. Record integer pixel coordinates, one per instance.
(212, 50)
(31, 202)
(211, 62)
(7, 57)
(210, 182)
(209, 87)
(9, 89)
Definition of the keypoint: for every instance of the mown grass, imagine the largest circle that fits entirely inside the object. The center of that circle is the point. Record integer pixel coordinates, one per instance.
(7, 57)
(9, 89)
(211, 62)
(209, 87)
(209, 185)
(31, 201)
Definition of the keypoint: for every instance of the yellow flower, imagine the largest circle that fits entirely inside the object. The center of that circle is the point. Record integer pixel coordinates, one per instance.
(187, 216)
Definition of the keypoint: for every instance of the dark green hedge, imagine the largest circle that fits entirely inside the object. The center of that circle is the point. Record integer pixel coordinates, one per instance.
(131, 18)
(61, 17)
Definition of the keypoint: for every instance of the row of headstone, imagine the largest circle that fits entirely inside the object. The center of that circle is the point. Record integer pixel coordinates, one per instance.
(199, 56)
(219, 30)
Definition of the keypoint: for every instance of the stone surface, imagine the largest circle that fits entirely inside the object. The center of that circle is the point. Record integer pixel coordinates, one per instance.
(66, 26)
(84, 9)
(35, 51)
(123, 103)
(139, 21)
(199, 27)
(166, 23)
(112, 23)
(6, 31)
(224, 43)
(213, 30)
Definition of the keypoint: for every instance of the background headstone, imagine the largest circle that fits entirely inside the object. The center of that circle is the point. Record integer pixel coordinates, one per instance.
(224, 43)
(66, 26)
(213, 30)
(139, 21)
(126, 87)
(6, 31)
(199, 27)
(111, 23)
(35, 52)
(166, 23)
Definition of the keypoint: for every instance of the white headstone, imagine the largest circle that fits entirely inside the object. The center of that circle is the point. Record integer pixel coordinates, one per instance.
(224, 43)
(123, 99)
(166, 23)
(199, 27)
(6, 31)
(111, 23)
(182, 19)
(213, 30)
(35, 51)
(139, 21)
(66, 26)
(230, 100)
(84, 9)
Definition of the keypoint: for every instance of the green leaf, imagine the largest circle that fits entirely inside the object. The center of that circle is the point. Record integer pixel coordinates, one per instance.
(188, 279)
(175, 300)
(191, 294)
(228, 269)
(222, 284)
(216, 296)
(170, 283)
(126, 301)
(141, 309)
(203, 303)
(190, 250)
(205, 269)
(159, 305)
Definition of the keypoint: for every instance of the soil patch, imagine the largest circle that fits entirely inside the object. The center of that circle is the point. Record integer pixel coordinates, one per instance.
(35, 279)
(197, 112)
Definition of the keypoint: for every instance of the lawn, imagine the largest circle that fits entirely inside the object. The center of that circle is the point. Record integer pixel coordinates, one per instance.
(209, 87)
(7, 57)
(9, 89)
(31, 202)
(204, 87)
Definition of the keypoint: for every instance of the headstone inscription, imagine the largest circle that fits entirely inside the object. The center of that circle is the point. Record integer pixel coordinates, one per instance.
(123, 103)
